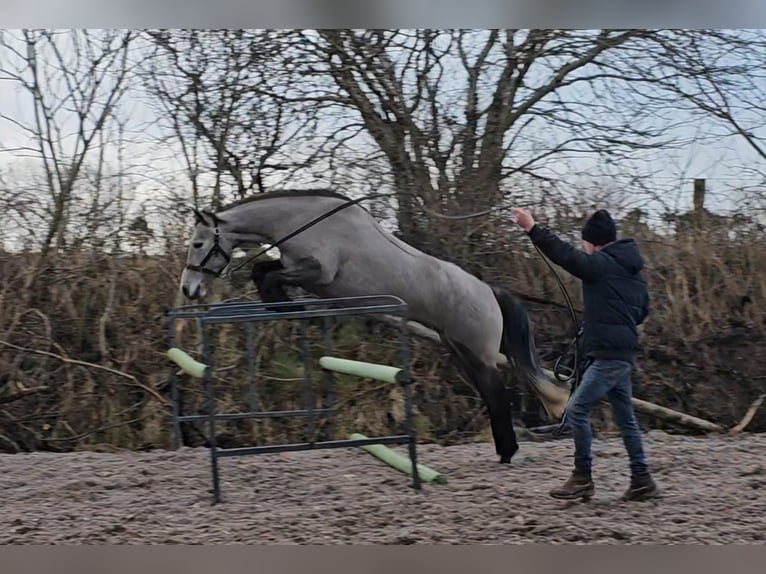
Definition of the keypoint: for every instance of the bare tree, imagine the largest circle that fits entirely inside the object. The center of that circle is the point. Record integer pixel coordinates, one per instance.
(719, 77)
(450, 120)
(722, 74)
(463, 116)
(72, 81)
(448, 109)
(219, 90)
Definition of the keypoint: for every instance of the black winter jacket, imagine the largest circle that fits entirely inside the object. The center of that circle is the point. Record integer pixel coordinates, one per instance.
(615, 294)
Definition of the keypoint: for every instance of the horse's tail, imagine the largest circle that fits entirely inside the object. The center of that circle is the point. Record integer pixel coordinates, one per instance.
(518, 341)
(518, 344)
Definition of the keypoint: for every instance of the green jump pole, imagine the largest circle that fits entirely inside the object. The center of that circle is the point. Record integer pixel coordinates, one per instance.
(400, 462)
(382, 373)
(187, 364)
(385, 374)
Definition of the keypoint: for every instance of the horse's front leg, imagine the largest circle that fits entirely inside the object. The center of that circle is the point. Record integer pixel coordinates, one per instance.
(273, 292)
(304, 272)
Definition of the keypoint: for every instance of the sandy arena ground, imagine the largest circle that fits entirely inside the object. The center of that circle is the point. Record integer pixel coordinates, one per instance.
(713, 492)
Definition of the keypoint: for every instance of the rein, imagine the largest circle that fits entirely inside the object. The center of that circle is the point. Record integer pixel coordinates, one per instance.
(574, 374)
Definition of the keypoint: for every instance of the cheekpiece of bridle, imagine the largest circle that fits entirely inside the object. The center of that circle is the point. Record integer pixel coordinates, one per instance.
(216, 248)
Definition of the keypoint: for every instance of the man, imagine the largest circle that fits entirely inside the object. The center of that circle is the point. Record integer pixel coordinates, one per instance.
(616, 300)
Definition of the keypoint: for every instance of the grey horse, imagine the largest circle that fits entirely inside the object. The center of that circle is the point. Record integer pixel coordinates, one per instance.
(349, 254)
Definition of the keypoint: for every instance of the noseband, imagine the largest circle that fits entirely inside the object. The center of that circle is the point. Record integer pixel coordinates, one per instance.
(216, 248)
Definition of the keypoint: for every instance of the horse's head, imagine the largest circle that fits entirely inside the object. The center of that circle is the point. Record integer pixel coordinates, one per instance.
(210, 252)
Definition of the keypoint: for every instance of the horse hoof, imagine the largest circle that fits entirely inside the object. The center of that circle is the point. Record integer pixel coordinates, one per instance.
(505, 460)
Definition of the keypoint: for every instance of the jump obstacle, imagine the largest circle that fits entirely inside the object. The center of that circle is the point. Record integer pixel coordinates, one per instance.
(304, 311)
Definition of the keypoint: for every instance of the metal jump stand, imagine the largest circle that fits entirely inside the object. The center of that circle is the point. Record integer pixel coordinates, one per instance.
(251, 313)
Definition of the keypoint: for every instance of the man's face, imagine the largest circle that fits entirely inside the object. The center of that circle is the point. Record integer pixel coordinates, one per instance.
(589, 248)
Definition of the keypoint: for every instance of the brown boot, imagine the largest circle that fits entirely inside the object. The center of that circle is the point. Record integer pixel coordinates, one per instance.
(579, 485)
(641, 487)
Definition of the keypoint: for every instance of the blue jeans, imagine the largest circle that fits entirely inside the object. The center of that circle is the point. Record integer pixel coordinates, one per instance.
(610, 378)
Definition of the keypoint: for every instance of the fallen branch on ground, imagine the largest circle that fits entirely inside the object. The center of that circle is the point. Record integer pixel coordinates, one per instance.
(557, 393)
(677, 417)
(740, 426)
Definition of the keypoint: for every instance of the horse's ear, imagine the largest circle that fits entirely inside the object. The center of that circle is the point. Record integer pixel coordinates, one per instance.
(198, 217)
(213, 217)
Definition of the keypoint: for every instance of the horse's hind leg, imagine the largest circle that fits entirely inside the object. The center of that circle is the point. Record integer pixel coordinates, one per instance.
(504, 414)
(489, 383)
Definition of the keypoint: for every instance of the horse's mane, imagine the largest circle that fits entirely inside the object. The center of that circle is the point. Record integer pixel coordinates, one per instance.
(285, 193)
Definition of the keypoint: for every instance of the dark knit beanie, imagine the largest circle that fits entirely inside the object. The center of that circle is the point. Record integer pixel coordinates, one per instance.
(600, 228)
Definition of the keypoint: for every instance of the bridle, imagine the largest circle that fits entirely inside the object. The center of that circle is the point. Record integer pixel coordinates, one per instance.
(215, 249)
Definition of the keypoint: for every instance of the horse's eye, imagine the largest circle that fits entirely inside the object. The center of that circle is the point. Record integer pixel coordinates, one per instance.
(197, 245)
